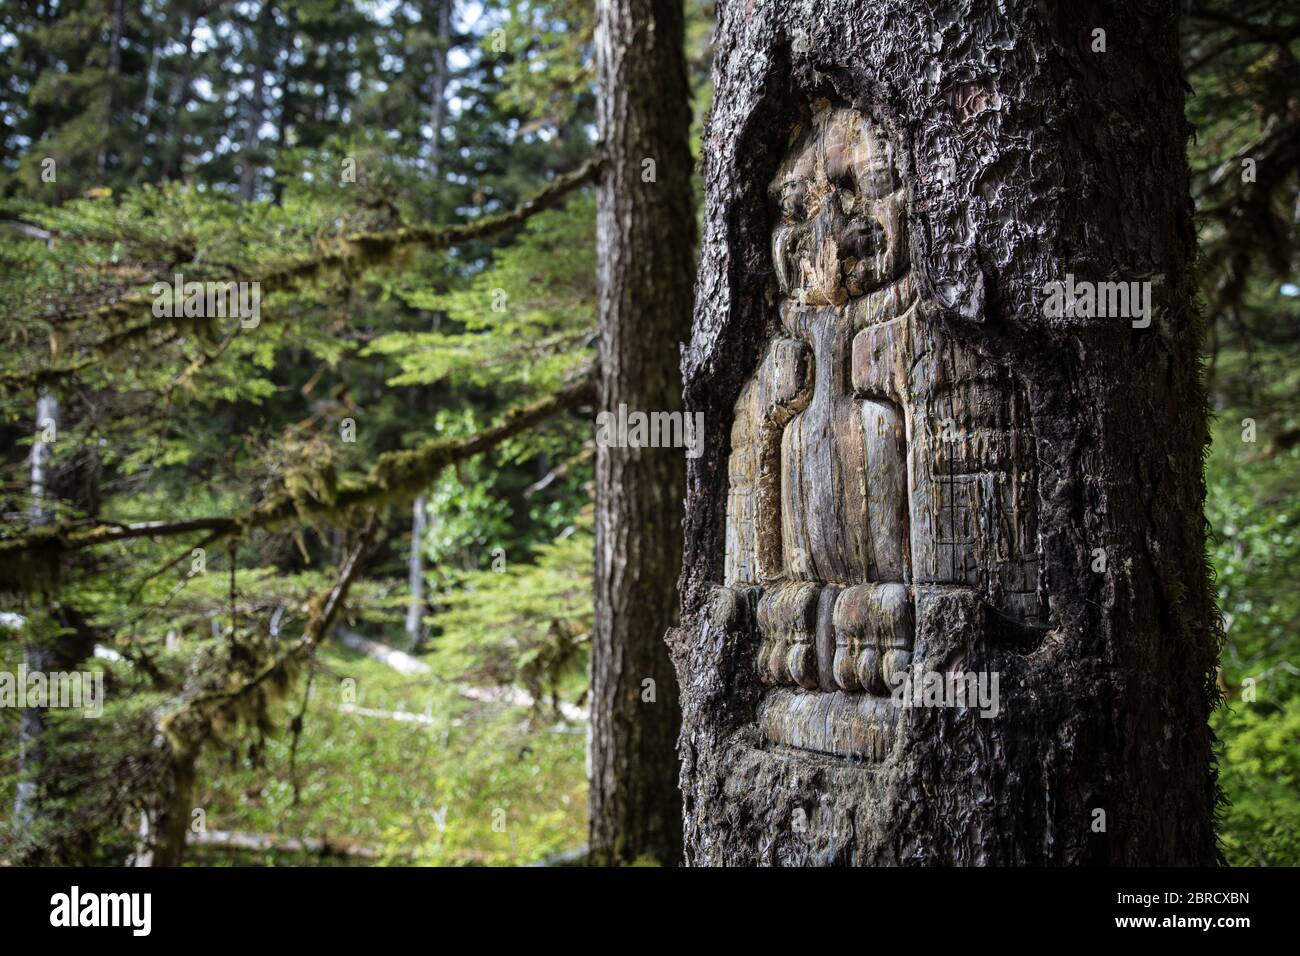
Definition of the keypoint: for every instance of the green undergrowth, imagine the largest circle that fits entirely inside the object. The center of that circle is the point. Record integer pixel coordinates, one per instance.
(479, 784)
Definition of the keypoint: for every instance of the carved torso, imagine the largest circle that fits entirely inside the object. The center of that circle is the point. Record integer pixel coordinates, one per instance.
(873, 460)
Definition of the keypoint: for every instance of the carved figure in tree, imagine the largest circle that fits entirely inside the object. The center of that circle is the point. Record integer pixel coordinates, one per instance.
(872, 458)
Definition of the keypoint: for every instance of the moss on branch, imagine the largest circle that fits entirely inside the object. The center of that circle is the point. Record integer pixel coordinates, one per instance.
(32, 560)
(355, 252)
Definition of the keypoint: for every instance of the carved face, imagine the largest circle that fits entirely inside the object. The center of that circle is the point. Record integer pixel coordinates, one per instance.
(840, 211)
(875, 464)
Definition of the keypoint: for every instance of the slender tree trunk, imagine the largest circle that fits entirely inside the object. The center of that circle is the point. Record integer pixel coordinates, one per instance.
(438, 86)
(174, 814)
(52, 758)
(35, 657)
(918, 468)
(46, 834)
(645, 235)
(261, 62)
(150, 83)
(110, 78)
(177, 99)
(415, 566)
(288, 108)
(415, 574)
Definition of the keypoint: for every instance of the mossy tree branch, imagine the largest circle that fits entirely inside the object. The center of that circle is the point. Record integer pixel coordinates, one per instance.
(354, 251)
(32, 560)
(185, 727)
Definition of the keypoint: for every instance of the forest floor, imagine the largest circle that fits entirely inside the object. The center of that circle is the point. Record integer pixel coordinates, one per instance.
(389, 769)
(404, 766)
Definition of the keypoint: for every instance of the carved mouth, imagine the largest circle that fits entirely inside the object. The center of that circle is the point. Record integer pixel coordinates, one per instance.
(843, 725)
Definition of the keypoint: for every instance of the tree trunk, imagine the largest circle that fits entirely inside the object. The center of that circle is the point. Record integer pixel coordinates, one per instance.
(178, 97)
(51, 764)
(645, 235)
(174, 813)
(437, 98)
(917, 468)
(110, 78)
(415, 575)
(36, 656)
(438, 80)
(260, 60)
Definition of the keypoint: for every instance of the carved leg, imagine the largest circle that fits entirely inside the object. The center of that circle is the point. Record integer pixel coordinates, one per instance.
(885, 458)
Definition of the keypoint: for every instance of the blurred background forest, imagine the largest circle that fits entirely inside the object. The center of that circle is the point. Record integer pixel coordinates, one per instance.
(294, 139)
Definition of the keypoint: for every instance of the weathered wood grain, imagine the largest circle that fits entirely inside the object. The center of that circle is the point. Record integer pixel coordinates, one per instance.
(832, 723)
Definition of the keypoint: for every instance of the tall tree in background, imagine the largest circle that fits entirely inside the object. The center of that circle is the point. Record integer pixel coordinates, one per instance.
(49, 760)
(260, 57)
(439, 16)
(644, 237)
(898, 188)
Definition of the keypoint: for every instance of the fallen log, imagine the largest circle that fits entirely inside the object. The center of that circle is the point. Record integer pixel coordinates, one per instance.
(399, 661)
(266, 842)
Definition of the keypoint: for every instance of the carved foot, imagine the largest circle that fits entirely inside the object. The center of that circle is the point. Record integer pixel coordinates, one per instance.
(874, 627)
(787, 621)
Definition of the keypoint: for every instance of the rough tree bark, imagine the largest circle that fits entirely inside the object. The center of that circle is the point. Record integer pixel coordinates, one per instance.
(645, 237)
(911, 468)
